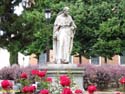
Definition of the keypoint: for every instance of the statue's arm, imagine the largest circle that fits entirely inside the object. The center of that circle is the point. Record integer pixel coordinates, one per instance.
(73, 27)
(56, 29)
(56, 24)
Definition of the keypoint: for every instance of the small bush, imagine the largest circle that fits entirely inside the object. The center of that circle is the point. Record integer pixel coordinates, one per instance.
(104, 76)
(13, 72)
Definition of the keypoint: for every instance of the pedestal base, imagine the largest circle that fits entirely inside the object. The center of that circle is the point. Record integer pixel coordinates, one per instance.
(55, 70)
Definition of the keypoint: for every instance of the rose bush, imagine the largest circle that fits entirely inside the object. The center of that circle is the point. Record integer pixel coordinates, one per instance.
(6, 86)
(23, 76)
(49, 79)
(78, 91)
(28, 89)
(44, 91)
(41, 74)
(65, 80)
(34, 72)
(67, 91)
(33, 81)
(41, 84)
(122, 81)
(91, 89)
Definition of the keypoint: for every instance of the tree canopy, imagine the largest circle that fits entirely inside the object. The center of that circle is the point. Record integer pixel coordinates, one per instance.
(100, 26)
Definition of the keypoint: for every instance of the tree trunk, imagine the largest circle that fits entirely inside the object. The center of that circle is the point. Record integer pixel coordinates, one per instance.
(13, 57)
(105, 58)
(80, 59)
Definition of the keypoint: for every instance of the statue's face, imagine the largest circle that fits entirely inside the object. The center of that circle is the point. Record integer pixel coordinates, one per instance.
(66, 12)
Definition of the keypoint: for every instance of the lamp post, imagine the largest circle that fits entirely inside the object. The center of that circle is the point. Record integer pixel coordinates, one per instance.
(47, 16)
(1, 33)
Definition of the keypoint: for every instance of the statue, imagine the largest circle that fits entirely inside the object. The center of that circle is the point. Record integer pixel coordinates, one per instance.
(63, 34)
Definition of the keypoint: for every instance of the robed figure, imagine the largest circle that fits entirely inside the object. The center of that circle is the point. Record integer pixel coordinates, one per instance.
(63, 34)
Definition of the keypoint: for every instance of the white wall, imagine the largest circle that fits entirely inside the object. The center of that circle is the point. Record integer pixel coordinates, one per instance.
(4, 58)
(23, 60)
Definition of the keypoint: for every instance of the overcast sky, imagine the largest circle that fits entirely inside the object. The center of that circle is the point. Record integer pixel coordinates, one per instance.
(18, 9)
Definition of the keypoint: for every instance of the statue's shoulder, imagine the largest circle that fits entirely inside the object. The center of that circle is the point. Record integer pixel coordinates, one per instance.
(70, 16)
(59, 17)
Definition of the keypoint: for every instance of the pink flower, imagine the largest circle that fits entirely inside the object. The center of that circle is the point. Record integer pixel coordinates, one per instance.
(91, 89)
(34, 72)
(28, 89)
(25, 89)
(32, 89)
(117, 93)
(49, 79)
(42, 74)
(122, 80)
(6, 84)
(44, 91)
(78, 91)
(65, 80)
(23, 75)
(66, 91)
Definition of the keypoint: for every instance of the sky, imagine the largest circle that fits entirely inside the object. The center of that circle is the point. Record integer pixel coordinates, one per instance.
(18, 9)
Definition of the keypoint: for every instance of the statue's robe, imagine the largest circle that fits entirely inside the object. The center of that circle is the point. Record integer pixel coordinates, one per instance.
(63, 34)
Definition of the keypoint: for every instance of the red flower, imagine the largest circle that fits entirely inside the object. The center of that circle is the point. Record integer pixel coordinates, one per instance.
(49, 79)
(42, 74)
(66, 91)
(23, 75)
(25, 89)
(118, 93)
(6, 84)
(65, 80)
(34, 72)
(91, 89)
(122, 80)
(44, 91)
(28, 89)
(32, 89)
(78, 91)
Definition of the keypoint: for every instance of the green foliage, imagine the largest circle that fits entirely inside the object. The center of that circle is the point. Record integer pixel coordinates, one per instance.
(100, 28)
(24, 82)
(43, 85)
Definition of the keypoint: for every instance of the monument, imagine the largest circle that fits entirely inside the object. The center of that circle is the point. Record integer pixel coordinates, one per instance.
(63, 34)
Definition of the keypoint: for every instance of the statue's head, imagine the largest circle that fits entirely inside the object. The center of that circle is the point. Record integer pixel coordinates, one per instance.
(66, 11)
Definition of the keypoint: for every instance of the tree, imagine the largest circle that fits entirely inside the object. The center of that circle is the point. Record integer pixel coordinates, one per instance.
(100, 26)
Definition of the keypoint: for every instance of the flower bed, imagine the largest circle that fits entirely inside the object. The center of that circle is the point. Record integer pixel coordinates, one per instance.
(105, 77)
(37, 82)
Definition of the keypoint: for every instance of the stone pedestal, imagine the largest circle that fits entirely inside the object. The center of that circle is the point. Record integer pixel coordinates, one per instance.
(54, 70)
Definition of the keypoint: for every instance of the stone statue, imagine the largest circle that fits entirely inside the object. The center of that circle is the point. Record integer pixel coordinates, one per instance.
(63, 34)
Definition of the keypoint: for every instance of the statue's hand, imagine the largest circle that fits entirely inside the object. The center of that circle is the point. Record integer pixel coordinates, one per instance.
(58, 28)
(55, 35)
(55, 38)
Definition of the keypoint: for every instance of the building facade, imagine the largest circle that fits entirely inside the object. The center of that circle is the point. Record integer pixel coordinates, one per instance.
(117, 59)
